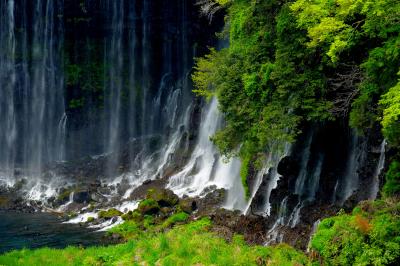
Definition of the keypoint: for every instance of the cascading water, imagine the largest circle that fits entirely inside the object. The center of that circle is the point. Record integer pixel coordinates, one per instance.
(32, 113)
(206, 168)
(350, 181)
(114, 79)
(7, 83)
(270, 167)
(379, 168)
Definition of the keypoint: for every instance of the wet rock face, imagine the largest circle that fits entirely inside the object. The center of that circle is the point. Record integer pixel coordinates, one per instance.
(330, 160)
(227, 223)
(188, 205)
(82, 196)
(12, 200)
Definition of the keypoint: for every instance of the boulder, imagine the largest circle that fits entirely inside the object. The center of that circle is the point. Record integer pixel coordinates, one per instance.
(109, 214)
(82, 196)
(148, 207)
(97, 197)
(164, 197)
(188, 205)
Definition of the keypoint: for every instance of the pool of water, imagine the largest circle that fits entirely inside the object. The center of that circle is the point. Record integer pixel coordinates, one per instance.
(21, 230)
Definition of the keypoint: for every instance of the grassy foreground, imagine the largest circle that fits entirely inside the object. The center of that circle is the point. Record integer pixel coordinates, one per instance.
(190, 244)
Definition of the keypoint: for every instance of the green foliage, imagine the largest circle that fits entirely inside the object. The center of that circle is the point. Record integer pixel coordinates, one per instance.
(191, 244)
(132, 215)
(347, 31)
(128, 230)
(267, 81)
(244, 173)
(84, 73)
(392, 185)
(175, 218)
(148, 206)
(90, 219)
(108, 214)
(289, 62)
(391, 114)
(368, 236)
(76, 103)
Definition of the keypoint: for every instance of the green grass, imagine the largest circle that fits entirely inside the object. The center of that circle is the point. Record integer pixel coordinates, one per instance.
(176, 218)
(188, 244)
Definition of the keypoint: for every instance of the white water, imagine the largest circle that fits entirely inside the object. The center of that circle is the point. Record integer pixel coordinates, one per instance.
(206, 167)
(113, 87)
(271, 164)
(32, 111)
(313, 231)
(301, 179)
(351, 181)
(82, 218)
(379, 168)
(274, 234)
(124, 207)
(70, 201)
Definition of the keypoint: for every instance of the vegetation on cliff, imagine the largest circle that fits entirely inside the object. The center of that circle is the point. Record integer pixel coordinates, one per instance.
(291, 62)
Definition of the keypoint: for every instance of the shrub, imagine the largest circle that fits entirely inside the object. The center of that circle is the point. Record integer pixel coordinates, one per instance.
(148, 206)
(392, 185)
(369, 236)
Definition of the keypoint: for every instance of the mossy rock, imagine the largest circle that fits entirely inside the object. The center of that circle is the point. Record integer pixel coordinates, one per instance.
(64, 196)
(4, 202)
(166, 210)
(72, 215)
(148, 207)
(135, 216)
(188, 205)
(108, 214)
(164, 197)
(90, 220)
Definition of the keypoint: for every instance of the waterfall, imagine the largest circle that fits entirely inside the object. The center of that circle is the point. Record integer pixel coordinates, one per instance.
(274, 235)
(350, 182)
(313, 231)
(114, 80)
(308, 185)
(31, 87)
(379, 168)
(7, 87)
(69, 202)
(301, 179)
(270, 166)
(206, 167)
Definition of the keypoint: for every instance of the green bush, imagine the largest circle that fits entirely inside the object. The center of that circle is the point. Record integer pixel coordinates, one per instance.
(368, 236)
(148, 206)
(392, 185)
